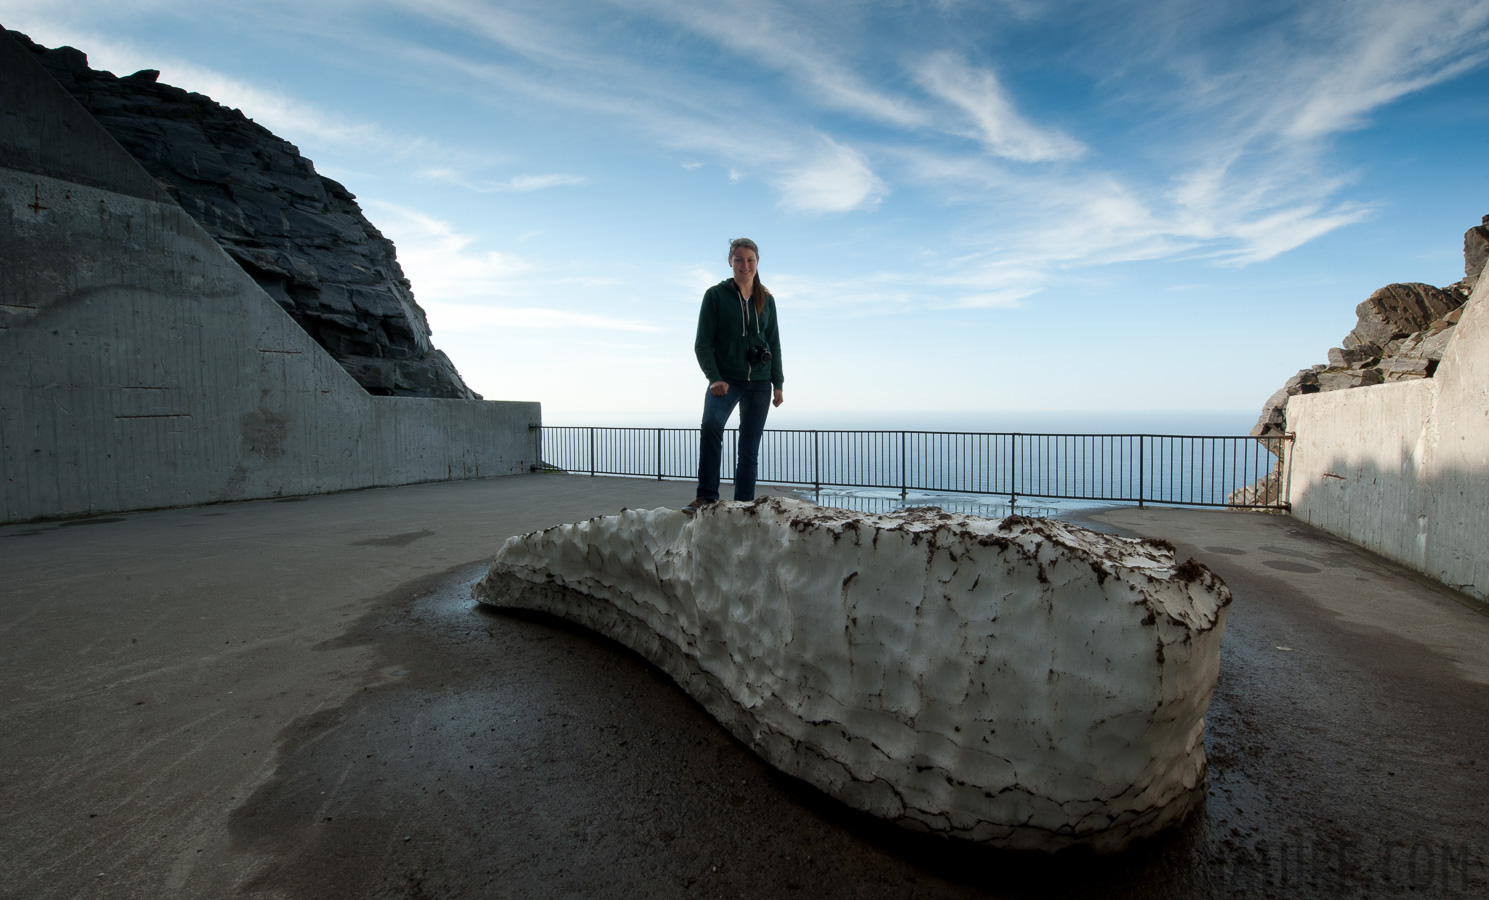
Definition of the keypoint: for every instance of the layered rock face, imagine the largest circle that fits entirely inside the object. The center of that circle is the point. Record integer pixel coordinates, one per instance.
(1025, 683)
(300, 235)
(1400, 334)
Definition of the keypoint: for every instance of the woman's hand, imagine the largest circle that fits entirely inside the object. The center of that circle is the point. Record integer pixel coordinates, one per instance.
(779, 398)
(720, 388)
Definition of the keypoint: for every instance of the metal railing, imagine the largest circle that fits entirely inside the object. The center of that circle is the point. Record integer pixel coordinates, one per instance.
(1172, 470)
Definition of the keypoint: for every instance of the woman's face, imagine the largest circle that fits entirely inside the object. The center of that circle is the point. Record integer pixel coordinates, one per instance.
(744, 261)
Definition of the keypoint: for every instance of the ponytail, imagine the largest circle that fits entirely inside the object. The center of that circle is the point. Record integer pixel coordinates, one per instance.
(759, 295)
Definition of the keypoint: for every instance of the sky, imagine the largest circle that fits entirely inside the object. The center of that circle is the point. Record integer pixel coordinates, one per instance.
(1002, 208)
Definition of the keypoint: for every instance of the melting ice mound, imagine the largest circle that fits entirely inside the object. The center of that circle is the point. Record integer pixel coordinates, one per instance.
(1025, 683)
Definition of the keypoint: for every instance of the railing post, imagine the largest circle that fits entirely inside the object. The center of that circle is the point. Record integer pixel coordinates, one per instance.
(659, 454)
(904, 490)
(816, 461)
(1013, 470)
(1140, 458)
(591, 451)
(1288, 441)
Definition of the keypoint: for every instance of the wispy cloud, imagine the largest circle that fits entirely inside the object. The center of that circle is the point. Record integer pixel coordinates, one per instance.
(1241, 166)
(440, 260)
(539, 182)
(838, 179)
(1380, 53)
(294, 119)
(1253, 143)
(1120, 216)
(978, 93)
(468, 317)
(515, 184)
(463, 288)
(1267, 236)
(693, 113)
(944, 284)
(774, 36)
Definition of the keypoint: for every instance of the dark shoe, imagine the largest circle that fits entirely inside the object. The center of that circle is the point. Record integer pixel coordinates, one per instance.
(696, 505)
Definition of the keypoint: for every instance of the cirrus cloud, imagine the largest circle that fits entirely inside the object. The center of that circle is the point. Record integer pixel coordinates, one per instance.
(838, 179)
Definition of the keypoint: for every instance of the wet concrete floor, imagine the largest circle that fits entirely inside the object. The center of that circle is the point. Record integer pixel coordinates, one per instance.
(300, 699)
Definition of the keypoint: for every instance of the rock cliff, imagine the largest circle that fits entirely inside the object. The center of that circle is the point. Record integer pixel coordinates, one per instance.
(300, 235)
(1399, 335)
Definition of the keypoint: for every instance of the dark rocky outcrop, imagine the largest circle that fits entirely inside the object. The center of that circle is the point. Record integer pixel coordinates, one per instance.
(300, 235)
(1395, 312)
(1400, 334)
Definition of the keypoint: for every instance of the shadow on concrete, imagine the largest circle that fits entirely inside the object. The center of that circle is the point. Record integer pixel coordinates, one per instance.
(513, 754)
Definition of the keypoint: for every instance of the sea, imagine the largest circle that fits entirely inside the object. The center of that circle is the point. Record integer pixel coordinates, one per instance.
(1231, 464)
(1206, 422)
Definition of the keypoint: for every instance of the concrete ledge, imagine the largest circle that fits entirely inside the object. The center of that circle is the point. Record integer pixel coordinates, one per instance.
(1403, 469)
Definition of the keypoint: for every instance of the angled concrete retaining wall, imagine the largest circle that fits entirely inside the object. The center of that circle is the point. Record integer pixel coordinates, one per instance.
(140, 367)
(1403, 468)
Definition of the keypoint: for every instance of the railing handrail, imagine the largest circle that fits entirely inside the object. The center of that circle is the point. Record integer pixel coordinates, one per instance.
(1126, 467)
(913, 431)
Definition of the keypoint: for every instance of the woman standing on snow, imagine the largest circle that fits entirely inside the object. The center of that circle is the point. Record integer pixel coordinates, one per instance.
(739, 349)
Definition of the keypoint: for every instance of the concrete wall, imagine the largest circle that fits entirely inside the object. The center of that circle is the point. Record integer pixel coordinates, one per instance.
(140, 367)
(1404, 468)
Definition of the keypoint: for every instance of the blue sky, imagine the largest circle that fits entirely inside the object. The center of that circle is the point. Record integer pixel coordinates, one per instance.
(962, 207)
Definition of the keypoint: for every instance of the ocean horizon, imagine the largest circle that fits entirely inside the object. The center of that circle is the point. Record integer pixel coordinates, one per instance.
(1177, 422)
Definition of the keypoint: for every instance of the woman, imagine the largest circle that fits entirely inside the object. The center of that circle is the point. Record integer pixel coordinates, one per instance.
(739, 349)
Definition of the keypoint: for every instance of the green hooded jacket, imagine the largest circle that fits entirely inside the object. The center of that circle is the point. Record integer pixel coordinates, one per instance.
(726, 324)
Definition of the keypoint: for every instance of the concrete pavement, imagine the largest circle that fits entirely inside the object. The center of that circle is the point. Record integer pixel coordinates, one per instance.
(297, 698)
(1346, 735)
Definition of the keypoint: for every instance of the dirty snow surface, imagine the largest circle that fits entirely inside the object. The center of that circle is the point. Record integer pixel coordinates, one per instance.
(1025, 683)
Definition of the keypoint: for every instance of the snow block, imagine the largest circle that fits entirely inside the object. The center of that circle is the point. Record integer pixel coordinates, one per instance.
(1025, 684)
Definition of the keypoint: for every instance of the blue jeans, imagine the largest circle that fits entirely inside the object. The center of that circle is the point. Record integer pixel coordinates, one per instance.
(753, 399)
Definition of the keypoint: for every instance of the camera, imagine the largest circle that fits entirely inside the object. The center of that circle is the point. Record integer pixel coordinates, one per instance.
(757, 353)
